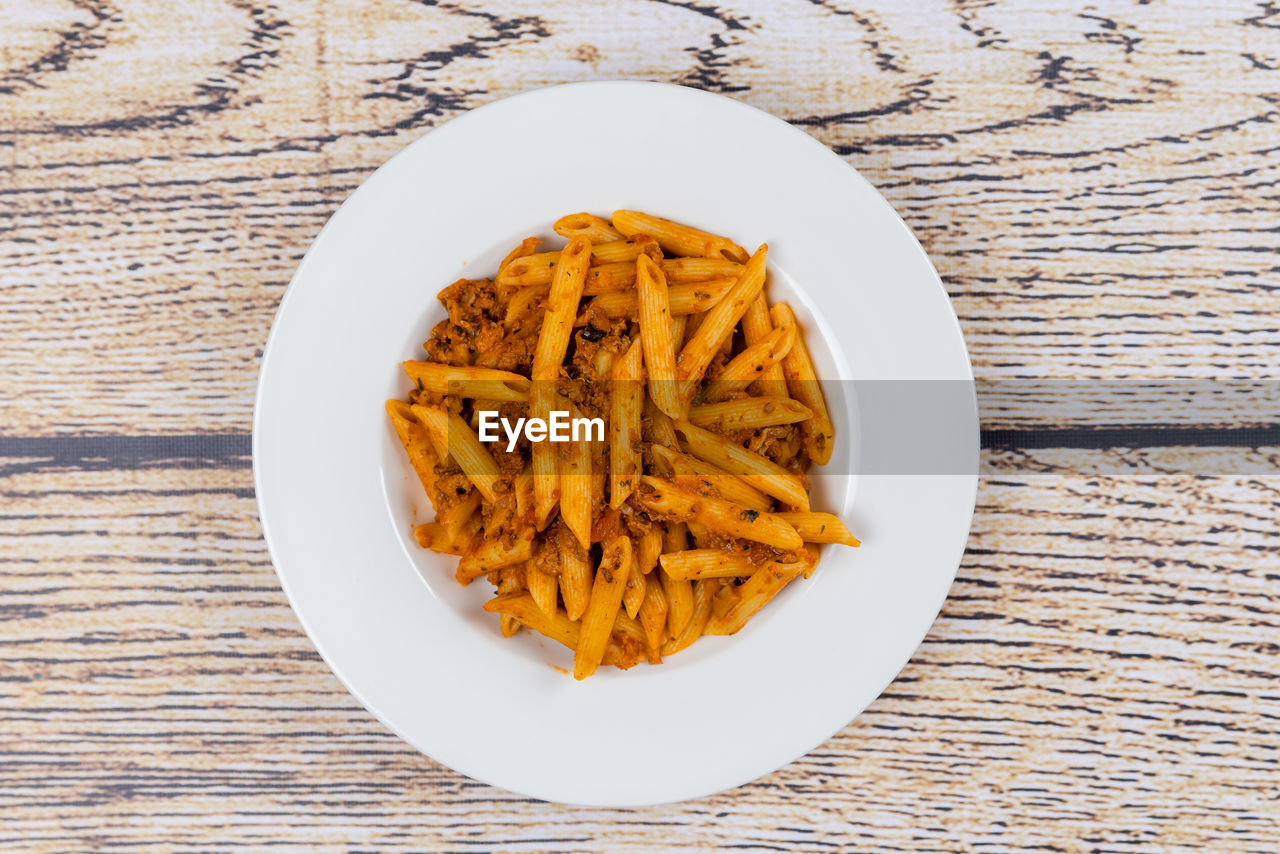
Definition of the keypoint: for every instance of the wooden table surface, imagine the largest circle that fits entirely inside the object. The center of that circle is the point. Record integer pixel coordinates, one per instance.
(1098, 184)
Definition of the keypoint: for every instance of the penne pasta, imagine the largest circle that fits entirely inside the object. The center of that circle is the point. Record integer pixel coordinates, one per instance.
(540, 577)
(470, 382)
(527, 247)
(681, 299)
(620, 276)
(757, 328)
(681, 271)
(662, 431)
(758, 471)
(545, 460)
(657, 526)
(507, 584)
(495, 554)
(575, 575)
(633, 594)
(432, 535)
(648, 547)
(676, 238)
(456, 514)
(802, 382)
(748, 413)
(700, 599)
(626, 403)
(558, 627)
(724, 517)
(718, 324)
(820, 528)
(655, 335)
(602, 611)
(653, 617)
(717, 563)
(611, 278)
(625, 250)
(586, 226)
(417, 442)
(542, 587)
(536, 269)
(692, 473)
(755, 592)
(680, 602)
(523, 302)
(757, 363)
(576, 500)
(557, 323)
(464, 446)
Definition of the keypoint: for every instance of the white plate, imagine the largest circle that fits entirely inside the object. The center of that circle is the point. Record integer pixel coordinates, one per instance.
(337, 499)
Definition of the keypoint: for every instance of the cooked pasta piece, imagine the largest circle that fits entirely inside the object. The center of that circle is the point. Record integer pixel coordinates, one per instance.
(717, 563)
(691, 473)
(536, 268)
(602, 610)
(508, 583)
(748, 413)
(724, 517)
(541, 577)
(718, 324)
(464, 446)
(676, 238)
(681, 299)
(802, 382)
(758, 471)
(633, 594)
(575, 491)
(495, 554)
(417, 442)
(655, 335)
(757, 327)
(575, 576)
(625, 250)
(558, 627)
(432, 535)
(465, 381)
(700, 596)
(557, 325)
(752, 595)
(527, 247)
(626, 404)
(755, 364)
(631, 542)
(553, 341)
(653, 617)
(648, 548)
(820, 528)
(680, 603)
(585, 225)
(681, 271)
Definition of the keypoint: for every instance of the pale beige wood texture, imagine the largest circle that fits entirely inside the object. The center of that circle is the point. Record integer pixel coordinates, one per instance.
(1102, 677)
(1097, 185)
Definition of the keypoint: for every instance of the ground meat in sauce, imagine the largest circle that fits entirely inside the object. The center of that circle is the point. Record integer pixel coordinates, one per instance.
(476, 333)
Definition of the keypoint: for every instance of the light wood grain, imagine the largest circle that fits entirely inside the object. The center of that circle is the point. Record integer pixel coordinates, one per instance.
(1097, 185)
(1102, 677)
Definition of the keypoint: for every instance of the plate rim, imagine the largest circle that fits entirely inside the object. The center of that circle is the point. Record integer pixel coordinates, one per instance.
(460, 121)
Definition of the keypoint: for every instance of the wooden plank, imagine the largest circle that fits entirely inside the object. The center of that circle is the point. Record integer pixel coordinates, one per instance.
(1096, 187)
(1101, 677)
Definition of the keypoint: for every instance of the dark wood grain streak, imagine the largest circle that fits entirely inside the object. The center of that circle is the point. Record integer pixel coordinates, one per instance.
(1097, 185)
(1096, 188)
(1101, 677)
